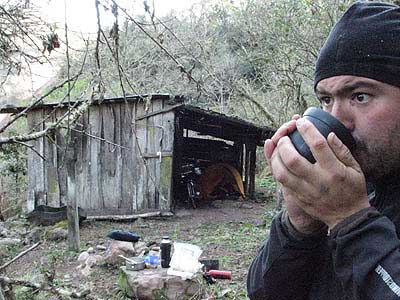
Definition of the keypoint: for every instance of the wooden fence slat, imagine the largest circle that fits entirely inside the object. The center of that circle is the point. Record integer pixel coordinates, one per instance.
(96, 199)
(127, 160)
(141, 142)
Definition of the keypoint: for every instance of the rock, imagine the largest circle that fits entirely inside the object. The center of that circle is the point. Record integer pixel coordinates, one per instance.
(157, 284)
(90, 250)
(4, 232)
(85, 271)
(56, 234)
(140, 247)
(92, 260)
(246, 206)
(101, 248)
(67, 279)
(83, 256)
(116, 249)
(35, 235)
(10, 242)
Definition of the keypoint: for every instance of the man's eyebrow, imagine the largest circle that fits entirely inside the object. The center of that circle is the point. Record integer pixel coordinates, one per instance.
(348, 88)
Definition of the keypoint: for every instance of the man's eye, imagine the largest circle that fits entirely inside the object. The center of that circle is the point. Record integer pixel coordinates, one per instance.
(361, 97)
(325, 101)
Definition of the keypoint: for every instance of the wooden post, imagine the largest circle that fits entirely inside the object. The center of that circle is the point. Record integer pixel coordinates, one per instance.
(252, 171)
(177, 157)
(72, 204)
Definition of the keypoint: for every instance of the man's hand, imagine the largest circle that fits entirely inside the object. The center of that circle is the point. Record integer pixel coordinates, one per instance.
(302, 221)
(329, 190)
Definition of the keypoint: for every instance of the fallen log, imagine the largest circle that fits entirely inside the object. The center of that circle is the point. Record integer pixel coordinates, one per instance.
(130, 217)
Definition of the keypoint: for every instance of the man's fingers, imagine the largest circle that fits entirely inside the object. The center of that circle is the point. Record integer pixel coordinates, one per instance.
(293, 161)
(284, 130)
(282, 174)
(269, 147)
(296, 117)
(342, 152)
(317, 143)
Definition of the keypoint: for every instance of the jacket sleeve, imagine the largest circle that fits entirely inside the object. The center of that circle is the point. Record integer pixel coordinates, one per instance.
(285, 265)
(366, 256)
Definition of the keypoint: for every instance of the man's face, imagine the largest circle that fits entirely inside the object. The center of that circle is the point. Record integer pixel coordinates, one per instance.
(371, 110)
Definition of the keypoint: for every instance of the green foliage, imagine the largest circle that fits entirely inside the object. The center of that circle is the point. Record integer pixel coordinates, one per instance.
(254, 59)
(78, 88)
(218, 292)
(9, 251)
(234, 237)
(24, 293)
(12, 159)
(13, 170)
(267, 182)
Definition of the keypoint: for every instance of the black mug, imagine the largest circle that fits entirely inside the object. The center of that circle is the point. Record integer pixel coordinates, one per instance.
(325, 123)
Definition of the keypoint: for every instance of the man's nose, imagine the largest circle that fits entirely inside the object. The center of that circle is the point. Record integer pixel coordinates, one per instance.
(343, 112)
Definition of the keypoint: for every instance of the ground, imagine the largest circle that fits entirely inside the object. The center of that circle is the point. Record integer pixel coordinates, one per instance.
(230, 231)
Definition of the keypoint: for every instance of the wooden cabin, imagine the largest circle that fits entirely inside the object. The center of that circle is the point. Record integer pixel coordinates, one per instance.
(129, 152)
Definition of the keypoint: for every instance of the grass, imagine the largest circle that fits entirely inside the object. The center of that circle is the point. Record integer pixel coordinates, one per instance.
(234, 243)
(267, 182)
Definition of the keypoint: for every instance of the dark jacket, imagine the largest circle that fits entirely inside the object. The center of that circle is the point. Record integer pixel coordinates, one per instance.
(360, 259)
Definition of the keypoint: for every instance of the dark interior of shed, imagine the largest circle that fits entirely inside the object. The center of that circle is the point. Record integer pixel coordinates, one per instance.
(214, 157)
(210, 170)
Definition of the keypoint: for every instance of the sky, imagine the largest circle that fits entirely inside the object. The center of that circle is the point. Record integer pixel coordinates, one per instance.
(82, 22)
(81, 14)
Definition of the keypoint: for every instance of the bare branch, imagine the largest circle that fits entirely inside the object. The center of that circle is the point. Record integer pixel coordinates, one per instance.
(19, 256)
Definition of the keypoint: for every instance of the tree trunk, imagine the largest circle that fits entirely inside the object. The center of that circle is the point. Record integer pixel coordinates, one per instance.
(72, 204)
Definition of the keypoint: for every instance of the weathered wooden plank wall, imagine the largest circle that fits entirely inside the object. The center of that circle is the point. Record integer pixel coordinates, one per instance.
(118, 169)
(155, 132)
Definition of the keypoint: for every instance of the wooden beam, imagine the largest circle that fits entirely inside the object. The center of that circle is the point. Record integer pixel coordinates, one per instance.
(158, 112)
(156, 155)
(130, 217)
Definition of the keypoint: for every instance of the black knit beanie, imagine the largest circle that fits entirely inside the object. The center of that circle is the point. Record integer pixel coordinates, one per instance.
(365, 42)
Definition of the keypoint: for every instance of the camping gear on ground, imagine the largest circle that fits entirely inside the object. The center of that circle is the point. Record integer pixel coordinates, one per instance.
(209, 264)
(218, 274)
(185, 260)
(134, 263)
(48, 215)
(152, 260)
(124, 235)
(165, 247)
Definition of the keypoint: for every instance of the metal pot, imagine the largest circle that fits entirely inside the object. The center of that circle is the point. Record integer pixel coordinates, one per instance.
(135, 263)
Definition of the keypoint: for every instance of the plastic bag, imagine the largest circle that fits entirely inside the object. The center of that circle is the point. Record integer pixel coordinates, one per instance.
(185, 260)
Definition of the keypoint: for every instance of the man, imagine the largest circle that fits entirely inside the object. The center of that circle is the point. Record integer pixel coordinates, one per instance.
(335, 241)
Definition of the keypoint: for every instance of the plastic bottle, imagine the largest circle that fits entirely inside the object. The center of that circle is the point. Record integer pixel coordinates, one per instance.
(165, 248)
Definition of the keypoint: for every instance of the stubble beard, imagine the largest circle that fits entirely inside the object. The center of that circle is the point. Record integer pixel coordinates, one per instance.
(378, 159)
